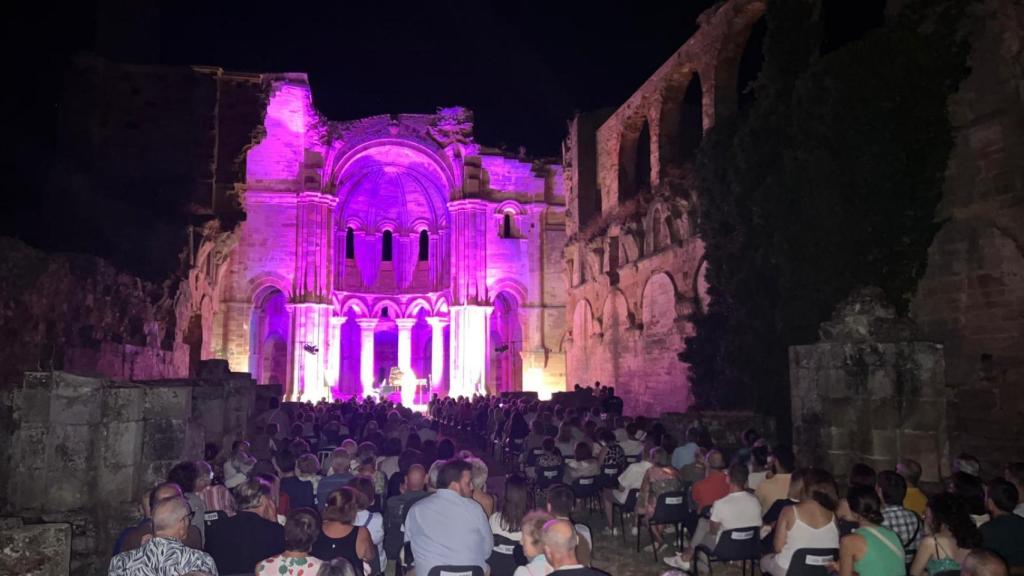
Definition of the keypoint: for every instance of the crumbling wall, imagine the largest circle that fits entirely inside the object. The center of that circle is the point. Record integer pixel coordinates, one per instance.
(869, 392)
(83, 450)
(971, 298)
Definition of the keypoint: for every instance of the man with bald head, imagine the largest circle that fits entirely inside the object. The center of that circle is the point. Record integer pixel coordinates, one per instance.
(165, 554)
(981, 562)
(135, 536)
(560, 540)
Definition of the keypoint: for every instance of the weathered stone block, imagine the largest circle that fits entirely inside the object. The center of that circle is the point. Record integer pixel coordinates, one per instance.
(68, 489)
(75, 399)
(883, 444)
(123, 403)
(924, 415)
(32, 404)
(163, 439)
(121, 443)
(30, 447)
(37, 550)
(168, 402)
(114, 484)
(881, 382)
(72, 447)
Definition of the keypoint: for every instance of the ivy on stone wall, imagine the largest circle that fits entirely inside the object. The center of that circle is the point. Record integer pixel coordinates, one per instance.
(828, 182)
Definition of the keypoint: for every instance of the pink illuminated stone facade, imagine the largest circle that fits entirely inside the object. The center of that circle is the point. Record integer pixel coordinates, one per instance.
(392, 241)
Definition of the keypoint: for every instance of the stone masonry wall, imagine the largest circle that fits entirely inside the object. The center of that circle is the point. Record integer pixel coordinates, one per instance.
(84, 450)
(869, 393)
(971, 299)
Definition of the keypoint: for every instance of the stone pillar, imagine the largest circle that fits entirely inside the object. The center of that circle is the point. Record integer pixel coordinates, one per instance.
(310, 325)
(405, 343)
(366, 355)
(437, 325)
(334, 352)
(470, 349)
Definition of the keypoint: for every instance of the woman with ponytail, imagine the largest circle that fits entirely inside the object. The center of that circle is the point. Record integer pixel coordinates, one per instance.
(810, 523)
(871, 549)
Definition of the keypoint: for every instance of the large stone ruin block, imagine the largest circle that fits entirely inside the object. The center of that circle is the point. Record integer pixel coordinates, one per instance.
(35, 550)
(868, 392)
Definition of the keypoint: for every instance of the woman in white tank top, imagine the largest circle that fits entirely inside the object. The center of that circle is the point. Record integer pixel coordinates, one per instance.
(810, 523)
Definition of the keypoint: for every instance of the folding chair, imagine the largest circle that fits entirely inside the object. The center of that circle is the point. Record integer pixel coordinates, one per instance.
(669, 510)
(811, 561)
(739, 544)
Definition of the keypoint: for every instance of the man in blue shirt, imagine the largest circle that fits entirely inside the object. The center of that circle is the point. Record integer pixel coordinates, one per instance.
(687, 453)
(337, 479)
(449, 528)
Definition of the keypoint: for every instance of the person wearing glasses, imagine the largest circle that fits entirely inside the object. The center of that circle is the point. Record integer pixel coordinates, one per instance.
(164, 554)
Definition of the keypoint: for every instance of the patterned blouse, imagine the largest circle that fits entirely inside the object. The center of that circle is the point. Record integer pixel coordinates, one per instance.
(282, 565)
(162, 557)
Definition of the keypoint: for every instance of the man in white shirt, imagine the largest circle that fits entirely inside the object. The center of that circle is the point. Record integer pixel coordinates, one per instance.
(738, 509)
(630, 479)
(632, 446)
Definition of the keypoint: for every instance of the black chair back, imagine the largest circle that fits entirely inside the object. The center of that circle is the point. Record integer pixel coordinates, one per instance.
(505, 556)
(456, 571)
(548, 475)
(212, 517)
(585, 487)
(948, 573)
(395, 512)
(532, 455)
(633, 459)
(671, 508)
(812, 561)
(739, 544)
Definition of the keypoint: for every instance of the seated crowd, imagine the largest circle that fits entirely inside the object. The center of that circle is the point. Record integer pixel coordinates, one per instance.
(363, 488)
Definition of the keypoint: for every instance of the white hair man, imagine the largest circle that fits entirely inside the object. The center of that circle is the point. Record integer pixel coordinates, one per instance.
(165, 554)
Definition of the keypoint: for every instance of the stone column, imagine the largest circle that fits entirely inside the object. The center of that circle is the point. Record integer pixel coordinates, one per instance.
(366, 356)
(334, 352)
(437, 325)
(405, 343)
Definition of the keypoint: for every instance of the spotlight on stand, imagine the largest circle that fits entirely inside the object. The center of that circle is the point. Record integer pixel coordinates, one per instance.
(311, 348)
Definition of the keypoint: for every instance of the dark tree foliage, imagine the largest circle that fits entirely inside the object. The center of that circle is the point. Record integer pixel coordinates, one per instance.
(829, 182)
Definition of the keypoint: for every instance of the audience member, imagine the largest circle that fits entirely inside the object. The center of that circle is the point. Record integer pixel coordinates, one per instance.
(737, 509)
(238, 543)
(367, 518)
(184, 474)
(892, 490)
(583, 464)
(507, 522)
(339, 473)
(216, 497)
(861, 475)
(915, 500)
(339, 537)
(300, 493)
(337, 567)
(1004, 533)
(633, 445)
(133, 537)
(810, 523)
(982, 562)
(632, 478)
(533, 545)
(686, 453)
(758, 464)
(480, 474)
(164, 554)
(560, 503)
(715, 483)
(449, 527)
(560, 542)
(872, 548)
(1015, 474)
(660, 478)
(951, 535)
(967, 464)
(776, 486)
(972, 490)
(300, 531)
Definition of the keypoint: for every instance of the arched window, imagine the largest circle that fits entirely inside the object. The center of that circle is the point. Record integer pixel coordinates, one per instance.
(506, 226)
(424, 246)
(350, 244)
(385, 246)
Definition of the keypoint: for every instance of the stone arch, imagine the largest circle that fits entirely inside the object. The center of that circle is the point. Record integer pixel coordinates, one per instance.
(658, 304)
(513, 287)
(413, 308)
(582, 321)
(394, 309)
(681, 127)
(615, 313)
(259, 283)
(730, 53)
(660, 225)
(441, 306)
(506, 336)
(634, 158)
(270, 322)
(355, 305)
